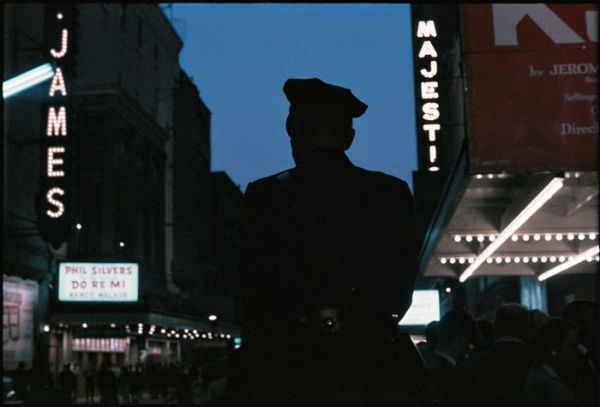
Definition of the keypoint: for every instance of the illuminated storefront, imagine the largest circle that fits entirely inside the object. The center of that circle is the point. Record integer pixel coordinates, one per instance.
(516, 206)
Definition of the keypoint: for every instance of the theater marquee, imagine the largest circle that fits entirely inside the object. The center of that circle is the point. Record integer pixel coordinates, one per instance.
(93, 282)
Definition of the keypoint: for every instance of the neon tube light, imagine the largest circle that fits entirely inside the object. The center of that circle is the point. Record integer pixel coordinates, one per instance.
(533, 206)
(26, 80)
(574, 261)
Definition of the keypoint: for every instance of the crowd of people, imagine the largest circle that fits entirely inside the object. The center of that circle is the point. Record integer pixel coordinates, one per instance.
(522, 358)
(170, 383)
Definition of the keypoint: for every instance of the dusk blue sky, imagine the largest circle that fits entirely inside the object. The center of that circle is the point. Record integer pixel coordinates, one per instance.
(240, 55)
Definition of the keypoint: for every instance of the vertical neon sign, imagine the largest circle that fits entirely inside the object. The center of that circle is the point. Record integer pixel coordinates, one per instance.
(57, 130)
(53, 202)
(429, 96)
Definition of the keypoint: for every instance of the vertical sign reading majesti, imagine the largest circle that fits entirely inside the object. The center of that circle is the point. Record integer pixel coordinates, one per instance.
(428, 96)
(532, 73)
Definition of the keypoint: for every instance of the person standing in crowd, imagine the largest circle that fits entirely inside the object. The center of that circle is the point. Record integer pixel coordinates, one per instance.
(488, 333)
(431, 340)
(89, 377)
(585, 381)
(67, 382)
(537, 318)
(328, 263)
(124, 384)
(19, 377)
(555, 361)
(137, 383)
(184, 387)
(496, 376)
(107, 384)
(457, 335)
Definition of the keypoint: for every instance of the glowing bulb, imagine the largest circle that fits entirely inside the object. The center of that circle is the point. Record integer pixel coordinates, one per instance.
(443, 260)
(581, 236)
(525, 259)
(457, 238)
(570, 236)
(212, 318)
(536, 237)
(517, 259)
(122, 244)
(492, 238)
(498, 260)
(544, 259)
(525, 238)
(480, 238)
(461, 260)
(552, 259)
(514, 238)
(452, 260)
(84, 325)
(548, 237)
(59, 16)
(471, 260)
(112, 325)
(507, 259)
(469, 238)
(479, 176)
(46, 328)
(489, 260)
(534, 259)
(79, 226)
(561, 259)
(592, 236)
(559, 237)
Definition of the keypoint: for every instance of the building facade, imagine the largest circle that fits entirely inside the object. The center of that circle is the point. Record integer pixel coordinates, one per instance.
(91, 153)
(507, 199)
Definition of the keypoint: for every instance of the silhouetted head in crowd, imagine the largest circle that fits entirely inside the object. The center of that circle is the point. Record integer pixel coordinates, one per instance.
(512, 320)
(432, 335)
(537, 318)
(320, 116)
(583, 314)
(555, 343)
(458, 334)
(487, 330)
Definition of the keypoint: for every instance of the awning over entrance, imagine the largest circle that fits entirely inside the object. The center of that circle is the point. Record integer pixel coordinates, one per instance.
(475, 210)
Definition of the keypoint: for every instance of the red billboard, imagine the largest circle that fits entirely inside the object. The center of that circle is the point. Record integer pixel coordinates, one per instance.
(532, 77)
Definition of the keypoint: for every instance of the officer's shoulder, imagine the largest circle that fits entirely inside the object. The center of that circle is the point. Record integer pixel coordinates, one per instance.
(265, 184)
(381, 179)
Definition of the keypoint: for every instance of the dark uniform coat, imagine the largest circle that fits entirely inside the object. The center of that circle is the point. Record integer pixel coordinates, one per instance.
(331, 236)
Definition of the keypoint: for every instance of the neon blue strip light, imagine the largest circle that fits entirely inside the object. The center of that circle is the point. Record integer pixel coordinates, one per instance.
(26, 80)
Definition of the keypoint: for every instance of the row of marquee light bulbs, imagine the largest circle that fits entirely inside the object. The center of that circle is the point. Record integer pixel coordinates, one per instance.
(184, 333)
(572, 236)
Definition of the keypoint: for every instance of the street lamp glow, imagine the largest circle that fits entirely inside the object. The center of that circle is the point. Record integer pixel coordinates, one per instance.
(212, 318)
(26, 80)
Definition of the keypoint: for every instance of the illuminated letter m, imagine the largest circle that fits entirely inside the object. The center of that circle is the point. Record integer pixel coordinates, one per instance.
(57, 123)
(426, 29)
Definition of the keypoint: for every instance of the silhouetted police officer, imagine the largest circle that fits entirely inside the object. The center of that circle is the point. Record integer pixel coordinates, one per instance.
(328, 264)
